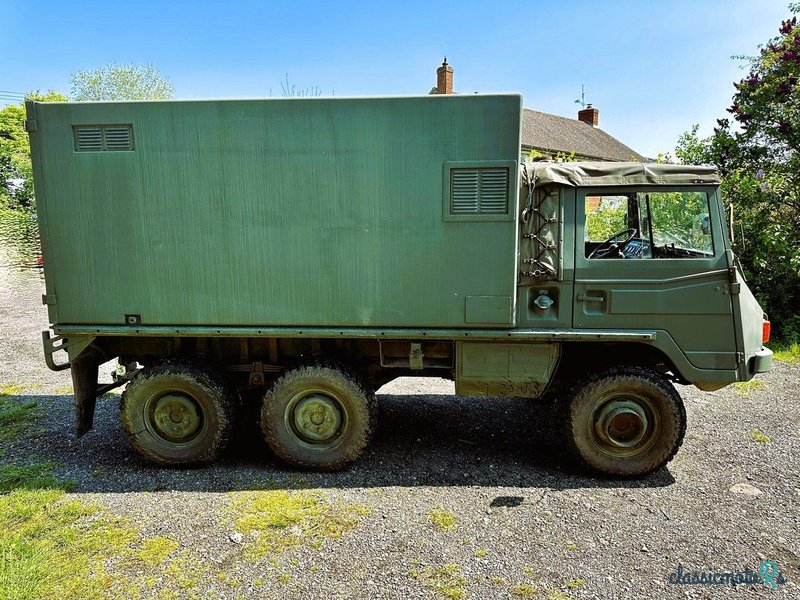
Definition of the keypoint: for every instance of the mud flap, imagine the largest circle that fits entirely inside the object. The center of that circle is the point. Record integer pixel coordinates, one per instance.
(84, 382)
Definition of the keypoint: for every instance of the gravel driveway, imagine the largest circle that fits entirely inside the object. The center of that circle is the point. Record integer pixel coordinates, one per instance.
(456, 497)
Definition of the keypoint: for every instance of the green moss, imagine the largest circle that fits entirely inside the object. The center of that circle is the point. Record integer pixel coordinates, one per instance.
(11, 388)
(554, 594)
(525, 590)
(442, 520)
(282, 519)
(155, 551)
(576, 583)
(760, 437)
(498, 581)
(446, 580)
(746, 388)
(789, 353)
(480, 553)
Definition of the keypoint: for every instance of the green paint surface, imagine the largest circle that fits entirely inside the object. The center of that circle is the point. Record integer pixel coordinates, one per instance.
(278, 212)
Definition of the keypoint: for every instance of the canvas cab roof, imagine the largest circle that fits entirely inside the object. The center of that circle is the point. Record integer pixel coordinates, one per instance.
(583, 174)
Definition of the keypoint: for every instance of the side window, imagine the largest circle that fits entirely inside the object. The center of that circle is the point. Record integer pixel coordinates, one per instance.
(639, 225)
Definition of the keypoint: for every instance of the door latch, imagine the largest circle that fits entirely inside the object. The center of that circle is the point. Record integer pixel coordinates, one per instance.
(588, 298)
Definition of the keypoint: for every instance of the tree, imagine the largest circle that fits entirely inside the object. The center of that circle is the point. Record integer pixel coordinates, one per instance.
(16, 183)
(120, 82)
(757, 151)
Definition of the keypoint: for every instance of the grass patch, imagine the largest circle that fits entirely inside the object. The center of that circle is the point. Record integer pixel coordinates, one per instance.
(498, 581)
(65, 390)
(576, 583)
(446, 580)
(55, 546)
(746, 388)
(28, 477)
(480, 553)
(281, 519)
(52, 546)
(16, 415)
(789, 353)
(760, 437)
(442, 520)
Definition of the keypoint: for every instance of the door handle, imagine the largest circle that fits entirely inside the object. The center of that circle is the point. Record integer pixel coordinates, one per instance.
(588, 298)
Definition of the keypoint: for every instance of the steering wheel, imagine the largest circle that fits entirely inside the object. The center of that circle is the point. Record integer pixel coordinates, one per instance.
(613, 243)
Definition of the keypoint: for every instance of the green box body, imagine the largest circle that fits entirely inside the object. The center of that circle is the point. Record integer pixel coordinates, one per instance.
(317, 212)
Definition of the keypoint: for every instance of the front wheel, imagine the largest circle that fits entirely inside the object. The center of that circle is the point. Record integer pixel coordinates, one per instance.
(318, 417)
(625, 422)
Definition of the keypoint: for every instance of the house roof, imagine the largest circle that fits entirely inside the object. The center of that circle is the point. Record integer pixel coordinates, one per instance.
(545, 131)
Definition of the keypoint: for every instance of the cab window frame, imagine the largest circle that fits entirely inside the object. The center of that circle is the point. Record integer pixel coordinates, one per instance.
(711, 191)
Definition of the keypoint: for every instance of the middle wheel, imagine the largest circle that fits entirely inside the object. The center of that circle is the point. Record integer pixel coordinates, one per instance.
(318, 417)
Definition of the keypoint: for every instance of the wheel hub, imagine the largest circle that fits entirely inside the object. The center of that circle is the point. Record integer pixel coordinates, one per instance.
(176, 417)
(317, 418)
(621, 423)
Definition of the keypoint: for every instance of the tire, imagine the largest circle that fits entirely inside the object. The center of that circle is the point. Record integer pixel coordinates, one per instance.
(624, 422)
(178, 414)
(318, 417)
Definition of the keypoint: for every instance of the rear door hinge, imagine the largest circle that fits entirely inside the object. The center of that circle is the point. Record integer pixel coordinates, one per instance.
(30, 125)
(48, 299)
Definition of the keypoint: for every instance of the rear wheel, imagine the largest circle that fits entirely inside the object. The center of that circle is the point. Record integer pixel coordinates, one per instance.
(318, 417)
(177, 414)
(625, 422)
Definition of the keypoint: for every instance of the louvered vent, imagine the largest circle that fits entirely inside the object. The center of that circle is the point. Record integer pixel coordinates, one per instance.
(98, 138)
(479, 191)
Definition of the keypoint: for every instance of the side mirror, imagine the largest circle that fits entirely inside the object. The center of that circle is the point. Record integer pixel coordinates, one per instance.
(705, 224)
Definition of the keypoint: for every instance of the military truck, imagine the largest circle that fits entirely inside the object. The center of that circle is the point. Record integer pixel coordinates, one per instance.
(301, 253)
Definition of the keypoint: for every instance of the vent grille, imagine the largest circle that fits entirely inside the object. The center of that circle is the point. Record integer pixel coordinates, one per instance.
(464, 190)
(99, 138)
(479, 191)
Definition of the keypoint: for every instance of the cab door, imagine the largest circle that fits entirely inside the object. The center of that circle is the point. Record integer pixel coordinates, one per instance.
(672, 275)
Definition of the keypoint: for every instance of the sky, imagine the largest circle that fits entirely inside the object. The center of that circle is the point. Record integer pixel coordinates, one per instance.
(652, 68)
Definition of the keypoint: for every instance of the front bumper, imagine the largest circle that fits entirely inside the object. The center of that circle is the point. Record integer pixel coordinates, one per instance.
(762, 361)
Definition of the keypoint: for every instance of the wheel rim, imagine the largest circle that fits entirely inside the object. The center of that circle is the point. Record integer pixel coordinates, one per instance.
(175, 417)
(623, 425)
(317, 419)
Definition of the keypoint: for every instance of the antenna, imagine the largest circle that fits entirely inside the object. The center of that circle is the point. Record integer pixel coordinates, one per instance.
(582, 99)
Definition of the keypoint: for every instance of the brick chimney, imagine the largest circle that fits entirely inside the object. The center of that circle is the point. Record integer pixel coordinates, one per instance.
(444, 78)
(589, 115)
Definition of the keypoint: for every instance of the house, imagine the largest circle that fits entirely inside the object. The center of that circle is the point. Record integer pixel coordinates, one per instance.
(548, 135)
